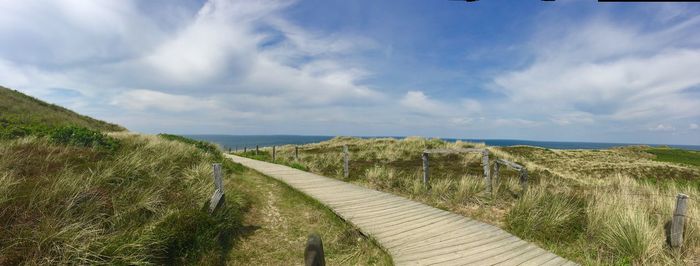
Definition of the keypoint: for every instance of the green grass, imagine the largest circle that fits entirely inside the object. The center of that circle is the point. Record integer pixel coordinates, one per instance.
(675, 156)
(19, 112)
(284, 219)
(548, 217)
(142, 203)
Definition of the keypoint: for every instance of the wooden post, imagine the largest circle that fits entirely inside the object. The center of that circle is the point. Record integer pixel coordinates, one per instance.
(296, 153)
(678, 220)
(256, 149)
(487, 174)
(274, 153)
(523, 179)
(245, 149)
(229, 149)
(346, 159)
(218, 182)
(218, 198)
(496, 170)
(313, 254)
(426, 170)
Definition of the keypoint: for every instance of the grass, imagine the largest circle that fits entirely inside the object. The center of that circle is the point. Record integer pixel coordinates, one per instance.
(20, 113)
(675, 156)
(140, 204)
(596, 207)
(280, 220)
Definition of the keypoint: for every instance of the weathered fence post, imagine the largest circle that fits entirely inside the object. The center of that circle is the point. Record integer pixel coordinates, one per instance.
(218, 198)
(523, 179)
(346, 159)
(678, 220)
(426, 170)
(256, 149)
(245, 149)
(296, 153)
(487, 174)
(496, 170)
(229, 149)
(313, 254)
(274, 153)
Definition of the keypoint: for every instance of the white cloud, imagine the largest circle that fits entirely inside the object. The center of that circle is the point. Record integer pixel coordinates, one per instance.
(218, 50)
(693, 126)
(572, 118)
(418, 101)
(145, 99)
(609, 71)
(663, 128)
(471, 105)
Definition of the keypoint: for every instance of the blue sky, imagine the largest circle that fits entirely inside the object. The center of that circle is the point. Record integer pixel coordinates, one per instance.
(565, 70)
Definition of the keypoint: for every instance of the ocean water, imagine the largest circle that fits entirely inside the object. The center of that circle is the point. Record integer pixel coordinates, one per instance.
(249, 141)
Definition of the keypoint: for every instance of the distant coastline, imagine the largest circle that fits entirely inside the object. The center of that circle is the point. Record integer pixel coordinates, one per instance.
(249, 141)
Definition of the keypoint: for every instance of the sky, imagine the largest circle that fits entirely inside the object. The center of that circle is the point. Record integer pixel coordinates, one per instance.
(573, 70)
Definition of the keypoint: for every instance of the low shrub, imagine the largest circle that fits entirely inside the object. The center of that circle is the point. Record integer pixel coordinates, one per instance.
(82, 137)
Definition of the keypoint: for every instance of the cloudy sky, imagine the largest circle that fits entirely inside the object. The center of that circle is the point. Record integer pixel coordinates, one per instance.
(566, 70)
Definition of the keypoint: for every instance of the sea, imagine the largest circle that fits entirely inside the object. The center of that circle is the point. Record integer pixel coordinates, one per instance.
(250, 141)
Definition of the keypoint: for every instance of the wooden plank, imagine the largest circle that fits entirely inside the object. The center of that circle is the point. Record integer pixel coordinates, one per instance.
(470, 247)
(473, 240)
(484, 253)
(539, 260)
(451, 151)
(452, 239)
(216, 201)
(399, 224)
(510, 164)
(412, 232)
(523, 257)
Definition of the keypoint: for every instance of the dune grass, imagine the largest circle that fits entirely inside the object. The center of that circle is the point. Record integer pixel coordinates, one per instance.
(20, 112)
(280, 220)
(140, 203)
(595, 207)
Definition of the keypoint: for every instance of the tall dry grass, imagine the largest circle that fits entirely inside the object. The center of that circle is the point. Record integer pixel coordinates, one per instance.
(140, 204)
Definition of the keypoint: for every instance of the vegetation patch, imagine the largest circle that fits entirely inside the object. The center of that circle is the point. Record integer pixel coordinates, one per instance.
(25, 113)
(676, 156)
(66, 204)
(547, 217)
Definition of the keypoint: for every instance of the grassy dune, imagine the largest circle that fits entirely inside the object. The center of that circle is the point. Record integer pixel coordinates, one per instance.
(20, 113)
(592, 206)
(141, 203)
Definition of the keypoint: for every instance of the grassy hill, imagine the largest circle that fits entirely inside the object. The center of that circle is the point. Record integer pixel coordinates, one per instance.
(20, 114)
(72, 194)
(596, 207)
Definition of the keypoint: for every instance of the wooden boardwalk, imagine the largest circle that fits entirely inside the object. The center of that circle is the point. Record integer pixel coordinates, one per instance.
(413, 233)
